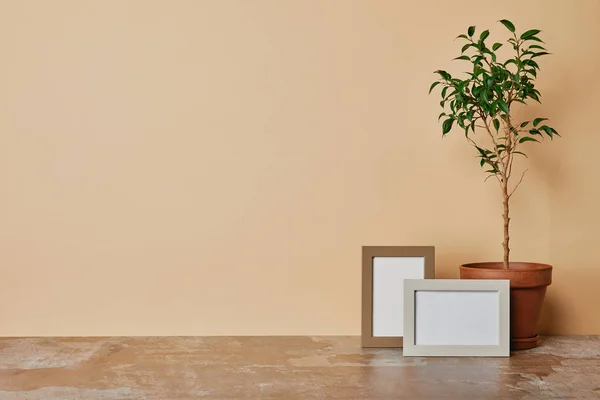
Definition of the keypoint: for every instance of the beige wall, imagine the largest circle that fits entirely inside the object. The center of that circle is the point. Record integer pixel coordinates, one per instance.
(214, 167)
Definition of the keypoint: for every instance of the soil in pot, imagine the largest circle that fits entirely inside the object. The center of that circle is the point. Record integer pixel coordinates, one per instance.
(528, 283)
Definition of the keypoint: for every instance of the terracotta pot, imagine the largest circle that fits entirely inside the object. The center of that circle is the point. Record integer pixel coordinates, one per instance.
(528, 283)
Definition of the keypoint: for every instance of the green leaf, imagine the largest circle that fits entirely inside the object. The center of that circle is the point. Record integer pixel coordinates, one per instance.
(462, 37)
(535, 46)
(447, 125)
(496, 124)
(537, 121)
(433, 85)
(528, 139)
(509, 25)
(548, 130)
(511, 61)
(534, 132)
(535, 38)
(471, 31)
(541, 53)
(465, 47)
(467, 58)
(496, 46)
(523, 124)
(484, 99)
(482, 162)
(530, 33)
(484, 35)
(531, 63)
(503, 106)
(477, 60)
(444, 91)
(479, 70)
(532, 72)
(441, 115)
(488, 51)
(518, 152)
(444, 74)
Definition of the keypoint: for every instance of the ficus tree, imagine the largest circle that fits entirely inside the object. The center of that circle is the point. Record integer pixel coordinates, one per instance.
(481, 102)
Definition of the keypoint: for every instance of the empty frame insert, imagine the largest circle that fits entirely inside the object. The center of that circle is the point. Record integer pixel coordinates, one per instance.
(454, 317)
(384, 269)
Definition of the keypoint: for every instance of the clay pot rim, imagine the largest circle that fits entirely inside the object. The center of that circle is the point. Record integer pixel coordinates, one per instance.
(514, 266)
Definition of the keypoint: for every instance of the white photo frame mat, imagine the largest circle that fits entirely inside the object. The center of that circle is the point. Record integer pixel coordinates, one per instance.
(456, 317)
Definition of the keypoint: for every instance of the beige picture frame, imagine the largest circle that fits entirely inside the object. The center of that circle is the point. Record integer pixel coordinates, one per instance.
(472, 320)
(395, 253)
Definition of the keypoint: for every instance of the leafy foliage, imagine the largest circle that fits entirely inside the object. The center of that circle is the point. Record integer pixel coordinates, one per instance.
(484, 98)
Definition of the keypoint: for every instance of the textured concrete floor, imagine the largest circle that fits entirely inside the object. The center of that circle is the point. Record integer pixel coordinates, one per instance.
(285, 368)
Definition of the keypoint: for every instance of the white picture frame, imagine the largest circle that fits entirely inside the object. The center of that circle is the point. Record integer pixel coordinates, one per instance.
(456, 317)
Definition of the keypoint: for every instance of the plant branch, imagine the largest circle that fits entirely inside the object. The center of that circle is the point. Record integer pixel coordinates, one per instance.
(517, 185)
(489, 131)
(510, 146)
(512, 86)
(496, 175)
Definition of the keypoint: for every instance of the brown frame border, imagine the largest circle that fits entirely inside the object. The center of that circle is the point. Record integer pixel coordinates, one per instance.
(368, 253)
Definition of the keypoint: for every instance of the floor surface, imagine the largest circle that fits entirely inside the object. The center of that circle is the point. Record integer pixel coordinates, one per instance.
(286, 368)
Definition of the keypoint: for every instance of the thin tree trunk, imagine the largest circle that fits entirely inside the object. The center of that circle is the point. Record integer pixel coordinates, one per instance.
(505, 198)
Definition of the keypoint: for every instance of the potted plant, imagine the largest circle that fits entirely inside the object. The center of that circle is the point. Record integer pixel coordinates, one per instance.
(482, 105)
